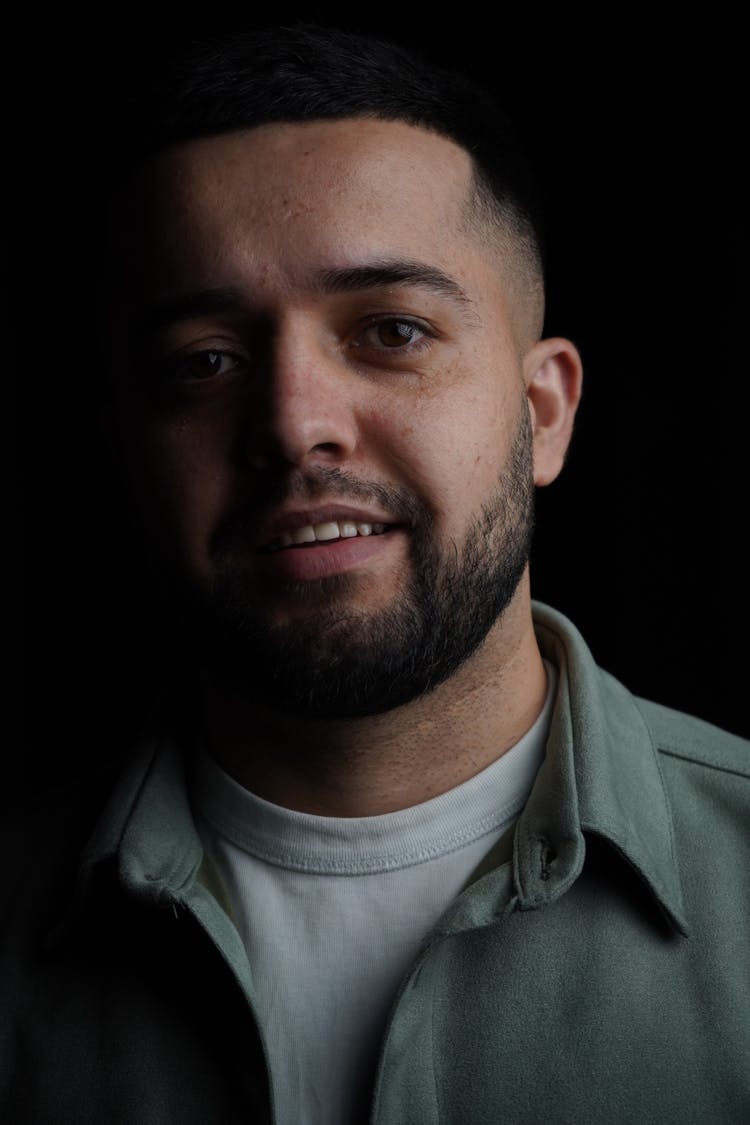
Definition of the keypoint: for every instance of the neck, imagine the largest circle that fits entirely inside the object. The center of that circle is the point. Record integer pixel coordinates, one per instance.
(382, 763)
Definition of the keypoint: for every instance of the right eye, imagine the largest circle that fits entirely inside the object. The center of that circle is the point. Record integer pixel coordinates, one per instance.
(199, 367)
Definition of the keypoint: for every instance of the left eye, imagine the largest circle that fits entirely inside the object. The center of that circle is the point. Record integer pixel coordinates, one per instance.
(392, 334)
(200, 366)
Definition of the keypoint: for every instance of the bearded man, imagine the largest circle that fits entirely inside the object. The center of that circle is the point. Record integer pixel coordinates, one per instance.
(414, 857)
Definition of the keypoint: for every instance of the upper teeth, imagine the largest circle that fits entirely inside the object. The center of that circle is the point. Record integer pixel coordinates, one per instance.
(321, 532)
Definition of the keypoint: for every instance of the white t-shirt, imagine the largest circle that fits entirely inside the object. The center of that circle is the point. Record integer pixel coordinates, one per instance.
(332, 912)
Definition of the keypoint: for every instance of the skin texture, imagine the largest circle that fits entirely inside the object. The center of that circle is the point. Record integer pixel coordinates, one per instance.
(311, 383)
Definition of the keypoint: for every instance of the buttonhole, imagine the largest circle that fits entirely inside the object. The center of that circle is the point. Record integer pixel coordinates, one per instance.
(548, 857)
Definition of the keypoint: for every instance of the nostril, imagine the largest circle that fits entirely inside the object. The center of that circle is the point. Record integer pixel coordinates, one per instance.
(328, 447)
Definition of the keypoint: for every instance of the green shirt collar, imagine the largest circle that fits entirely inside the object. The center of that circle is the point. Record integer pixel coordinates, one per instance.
(601, 775)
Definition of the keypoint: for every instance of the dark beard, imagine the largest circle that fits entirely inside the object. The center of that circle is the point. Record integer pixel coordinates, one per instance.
(344, 662)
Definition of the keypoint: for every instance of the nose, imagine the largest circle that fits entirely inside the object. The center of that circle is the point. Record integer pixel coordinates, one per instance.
(302, 412)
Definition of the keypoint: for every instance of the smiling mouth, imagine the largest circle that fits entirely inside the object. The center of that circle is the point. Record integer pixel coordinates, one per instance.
(320, 534)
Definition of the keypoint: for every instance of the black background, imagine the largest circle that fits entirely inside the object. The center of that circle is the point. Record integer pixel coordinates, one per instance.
(636, 122)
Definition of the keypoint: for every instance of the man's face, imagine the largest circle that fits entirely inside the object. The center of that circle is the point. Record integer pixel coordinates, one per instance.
(321, 408)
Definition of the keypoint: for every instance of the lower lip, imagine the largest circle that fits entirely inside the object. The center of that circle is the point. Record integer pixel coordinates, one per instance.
(304, 564)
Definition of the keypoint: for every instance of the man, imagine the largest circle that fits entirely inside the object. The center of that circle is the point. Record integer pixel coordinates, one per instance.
(404, 853)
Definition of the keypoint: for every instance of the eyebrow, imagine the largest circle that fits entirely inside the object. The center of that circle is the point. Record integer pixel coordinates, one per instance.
(190, 306)
(350, 279)
(379, 275)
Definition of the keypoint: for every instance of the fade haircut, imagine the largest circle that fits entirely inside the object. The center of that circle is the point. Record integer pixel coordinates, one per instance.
(238, 80)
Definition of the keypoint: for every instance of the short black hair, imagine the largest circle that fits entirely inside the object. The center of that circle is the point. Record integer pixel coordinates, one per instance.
(228, 81)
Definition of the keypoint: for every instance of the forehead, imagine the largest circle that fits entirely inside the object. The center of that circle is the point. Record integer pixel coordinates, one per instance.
(277, 195)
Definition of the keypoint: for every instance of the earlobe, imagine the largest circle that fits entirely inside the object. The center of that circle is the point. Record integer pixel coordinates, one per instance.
(553, 373)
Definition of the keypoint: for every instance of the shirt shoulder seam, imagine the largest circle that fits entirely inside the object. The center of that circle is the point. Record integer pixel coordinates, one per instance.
(685, 755)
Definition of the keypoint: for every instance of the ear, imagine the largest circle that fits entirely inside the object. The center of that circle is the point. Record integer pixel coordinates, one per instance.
(553, 374)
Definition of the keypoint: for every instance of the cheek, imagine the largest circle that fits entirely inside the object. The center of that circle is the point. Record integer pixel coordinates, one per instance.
(448, 451)
(177, 475)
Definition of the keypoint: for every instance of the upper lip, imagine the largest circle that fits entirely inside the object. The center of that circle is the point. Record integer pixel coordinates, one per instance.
(329, 513)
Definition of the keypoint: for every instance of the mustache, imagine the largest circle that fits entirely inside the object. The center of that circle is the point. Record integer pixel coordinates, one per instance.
(321, 484)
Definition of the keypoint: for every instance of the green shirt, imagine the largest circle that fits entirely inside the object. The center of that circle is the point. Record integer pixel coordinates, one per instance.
(599, 973)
